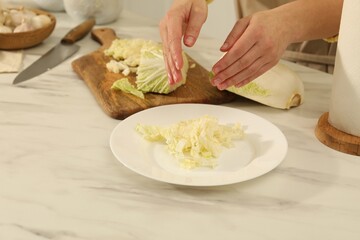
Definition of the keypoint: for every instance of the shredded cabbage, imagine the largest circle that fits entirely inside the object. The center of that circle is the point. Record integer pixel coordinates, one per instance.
(195, 142)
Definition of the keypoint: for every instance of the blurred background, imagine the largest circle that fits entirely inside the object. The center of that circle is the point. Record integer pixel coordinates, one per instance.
(222, 13)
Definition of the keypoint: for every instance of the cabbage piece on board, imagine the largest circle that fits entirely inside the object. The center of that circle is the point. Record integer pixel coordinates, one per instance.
(279, 87)
(128, 50)
(152, 75)
(124, 85)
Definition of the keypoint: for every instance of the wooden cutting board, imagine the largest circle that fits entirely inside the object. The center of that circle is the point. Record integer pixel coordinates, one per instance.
(117, 104)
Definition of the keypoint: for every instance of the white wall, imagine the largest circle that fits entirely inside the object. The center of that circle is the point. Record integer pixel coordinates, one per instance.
(222, 14)
(154, 9)
(221, 18)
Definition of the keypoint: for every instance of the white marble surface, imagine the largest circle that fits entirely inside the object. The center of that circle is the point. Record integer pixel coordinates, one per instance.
(59, 179)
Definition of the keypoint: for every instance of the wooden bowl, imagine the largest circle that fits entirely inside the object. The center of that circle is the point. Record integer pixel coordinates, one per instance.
(21, 40)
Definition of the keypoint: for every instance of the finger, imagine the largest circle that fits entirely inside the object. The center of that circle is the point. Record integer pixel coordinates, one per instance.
(263, 64)
(244, 74)
(174, 62)
(261, 71)
(195, 22)
(174, 36)
(168, 69)
(174, 75)
(163, 35)
(239, 65)
(238, 29)
(239, 49)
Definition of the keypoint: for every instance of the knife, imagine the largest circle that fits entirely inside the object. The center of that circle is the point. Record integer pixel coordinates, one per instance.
(63, 50)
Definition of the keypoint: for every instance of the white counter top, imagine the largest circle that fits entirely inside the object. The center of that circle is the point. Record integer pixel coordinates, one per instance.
(59, 179)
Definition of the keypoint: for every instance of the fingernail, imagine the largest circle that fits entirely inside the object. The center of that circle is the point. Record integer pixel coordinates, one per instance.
(189, 40)
(224, 46)
(175, 79)
(216, 70)
(221, 87)
(170, 78)
(216, 81)
(177, 65)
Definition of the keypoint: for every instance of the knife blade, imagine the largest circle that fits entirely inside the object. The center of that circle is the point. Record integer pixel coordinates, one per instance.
(63, 50)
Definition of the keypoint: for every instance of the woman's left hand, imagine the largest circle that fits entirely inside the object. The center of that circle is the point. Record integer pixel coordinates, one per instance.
(254, 45)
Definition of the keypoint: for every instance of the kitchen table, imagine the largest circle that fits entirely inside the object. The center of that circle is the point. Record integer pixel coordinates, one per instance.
(59, 179)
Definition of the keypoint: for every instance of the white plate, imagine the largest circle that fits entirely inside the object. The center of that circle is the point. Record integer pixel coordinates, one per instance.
(263, 148)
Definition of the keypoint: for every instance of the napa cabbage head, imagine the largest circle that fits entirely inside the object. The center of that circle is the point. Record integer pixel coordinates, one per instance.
(280, 87)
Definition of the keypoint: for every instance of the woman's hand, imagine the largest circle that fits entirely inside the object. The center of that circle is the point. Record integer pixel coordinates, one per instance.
(257, 42)
(254, 45)
(183, 21)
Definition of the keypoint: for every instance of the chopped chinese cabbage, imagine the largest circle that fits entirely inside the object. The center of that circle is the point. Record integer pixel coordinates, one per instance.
(195, 142)
(128, 50)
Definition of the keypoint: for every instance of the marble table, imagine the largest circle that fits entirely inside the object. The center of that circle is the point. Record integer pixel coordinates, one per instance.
(59, 179)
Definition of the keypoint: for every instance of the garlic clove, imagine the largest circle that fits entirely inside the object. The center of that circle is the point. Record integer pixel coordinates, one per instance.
(7, 19)
(24, 27)
(40, 21)
(5, 29)
(17, 17)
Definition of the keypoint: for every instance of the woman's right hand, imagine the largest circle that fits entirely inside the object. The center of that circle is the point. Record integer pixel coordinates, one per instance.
(182, 22)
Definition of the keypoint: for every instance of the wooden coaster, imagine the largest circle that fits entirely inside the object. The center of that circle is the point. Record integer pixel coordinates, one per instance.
(336, 139)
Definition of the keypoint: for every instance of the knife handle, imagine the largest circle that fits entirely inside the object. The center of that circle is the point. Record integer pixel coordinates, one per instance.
(104, 36)
(79, 31)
